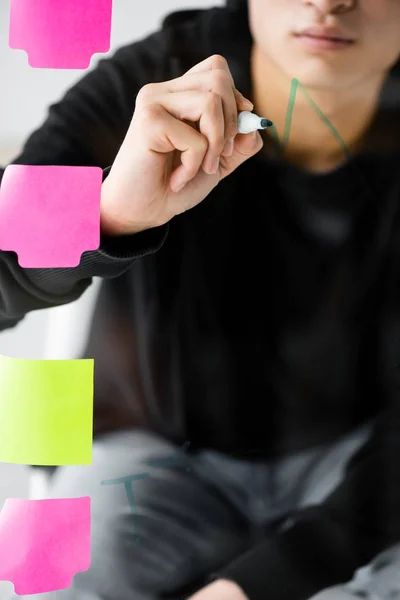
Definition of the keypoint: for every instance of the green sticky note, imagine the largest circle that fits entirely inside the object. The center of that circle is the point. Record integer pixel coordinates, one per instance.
(46, 411)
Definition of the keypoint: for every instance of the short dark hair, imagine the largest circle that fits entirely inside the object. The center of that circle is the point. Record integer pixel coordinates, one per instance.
(236, 4)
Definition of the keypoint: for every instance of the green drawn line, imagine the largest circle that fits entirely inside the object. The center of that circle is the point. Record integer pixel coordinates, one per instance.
(288, 125)
(128, 481)
(289, 111)
(340, 140)
(169, 462)
(289, 117)
(326, 121)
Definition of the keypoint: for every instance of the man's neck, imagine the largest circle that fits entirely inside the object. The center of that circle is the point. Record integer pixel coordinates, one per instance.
(312, 146)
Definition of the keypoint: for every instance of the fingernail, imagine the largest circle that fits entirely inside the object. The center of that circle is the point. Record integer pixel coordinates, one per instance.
(247, 101)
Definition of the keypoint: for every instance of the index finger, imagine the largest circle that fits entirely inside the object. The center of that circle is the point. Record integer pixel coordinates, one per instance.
(216, 61)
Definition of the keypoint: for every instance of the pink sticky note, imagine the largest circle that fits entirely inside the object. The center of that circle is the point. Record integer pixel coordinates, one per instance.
(49, 216)
(60, 34)
(44, 543)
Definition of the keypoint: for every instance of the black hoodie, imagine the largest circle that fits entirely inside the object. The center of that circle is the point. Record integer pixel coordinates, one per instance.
(262, 322)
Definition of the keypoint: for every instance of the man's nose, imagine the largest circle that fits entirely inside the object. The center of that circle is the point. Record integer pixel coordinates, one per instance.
(326, 7)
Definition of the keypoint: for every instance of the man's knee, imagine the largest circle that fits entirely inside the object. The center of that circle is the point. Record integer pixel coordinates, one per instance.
(134, 539)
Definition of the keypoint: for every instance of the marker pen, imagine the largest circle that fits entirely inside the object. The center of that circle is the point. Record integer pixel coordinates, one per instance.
(248, 122)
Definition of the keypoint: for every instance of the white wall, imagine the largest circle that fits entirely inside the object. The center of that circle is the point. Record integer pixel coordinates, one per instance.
(19, 111)
(24, 98)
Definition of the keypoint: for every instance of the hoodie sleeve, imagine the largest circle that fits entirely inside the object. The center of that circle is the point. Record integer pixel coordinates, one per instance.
(85, 128)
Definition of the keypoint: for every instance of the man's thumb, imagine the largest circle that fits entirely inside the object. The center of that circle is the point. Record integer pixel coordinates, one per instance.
(246, 146)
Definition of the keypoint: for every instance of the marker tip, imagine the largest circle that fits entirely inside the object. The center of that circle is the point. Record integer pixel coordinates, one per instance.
(265, 123)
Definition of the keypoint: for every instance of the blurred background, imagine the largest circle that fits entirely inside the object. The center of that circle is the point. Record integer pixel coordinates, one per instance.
(26, 94)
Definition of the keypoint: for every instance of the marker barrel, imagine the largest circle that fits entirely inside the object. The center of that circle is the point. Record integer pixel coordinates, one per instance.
(248, 122)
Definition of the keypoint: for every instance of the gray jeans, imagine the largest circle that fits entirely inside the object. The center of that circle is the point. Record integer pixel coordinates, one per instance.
(162, 519)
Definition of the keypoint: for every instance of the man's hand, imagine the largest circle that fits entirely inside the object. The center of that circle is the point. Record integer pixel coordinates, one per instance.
(182, 141)
(221, 589)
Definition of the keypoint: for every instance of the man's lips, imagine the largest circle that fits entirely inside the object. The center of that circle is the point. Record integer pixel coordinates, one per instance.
(329, 34)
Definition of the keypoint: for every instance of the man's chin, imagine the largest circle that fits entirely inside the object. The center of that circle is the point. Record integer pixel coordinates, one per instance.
(320, 77)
